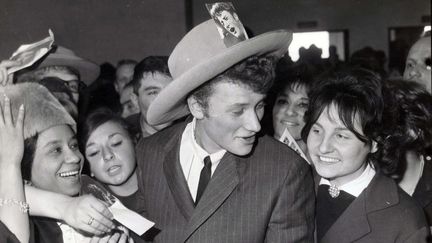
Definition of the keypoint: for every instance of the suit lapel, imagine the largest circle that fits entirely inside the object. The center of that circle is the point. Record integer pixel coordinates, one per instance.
(175, 178)
(351, 225)
(224, 180)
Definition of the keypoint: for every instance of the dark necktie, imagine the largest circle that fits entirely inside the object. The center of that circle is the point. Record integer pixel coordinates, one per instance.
(204, 178)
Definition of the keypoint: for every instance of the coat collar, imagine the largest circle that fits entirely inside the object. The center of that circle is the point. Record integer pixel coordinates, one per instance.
(224, 180)
(381, 193)
(174, 175)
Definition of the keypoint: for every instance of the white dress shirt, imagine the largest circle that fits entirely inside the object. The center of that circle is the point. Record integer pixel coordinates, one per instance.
(192, 158)
(356, 186)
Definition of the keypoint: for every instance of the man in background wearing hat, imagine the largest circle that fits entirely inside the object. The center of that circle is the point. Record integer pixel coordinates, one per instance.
(63, 64)
(215, 179)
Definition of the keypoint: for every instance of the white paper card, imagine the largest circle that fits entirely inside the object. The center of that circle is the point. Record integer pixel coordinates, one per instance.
(288, 139)
(130, 219)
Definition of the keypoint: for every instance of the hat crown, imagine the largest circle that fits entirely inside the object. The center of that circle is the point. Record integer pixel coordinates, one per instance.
(64, 51)
(200, 44)
(42, 109)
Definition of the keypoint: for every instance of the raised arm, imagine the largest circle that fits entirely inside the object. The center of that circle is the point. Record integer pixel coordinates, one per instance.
(13, 206)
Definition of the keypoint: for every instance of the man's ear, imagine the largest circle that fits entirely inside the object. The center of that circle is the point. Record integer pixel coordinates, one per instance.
(195, 108)
(374, 146)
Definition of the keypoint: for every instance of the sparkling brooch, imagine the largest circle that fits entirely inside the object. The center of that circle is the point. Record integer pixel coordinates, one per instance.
(333, 191)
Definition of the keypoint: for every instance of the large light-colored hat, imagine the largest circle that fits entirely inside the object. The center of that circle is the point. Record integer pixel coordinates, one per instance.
(62, 56)
(202, 55)
(42, 109)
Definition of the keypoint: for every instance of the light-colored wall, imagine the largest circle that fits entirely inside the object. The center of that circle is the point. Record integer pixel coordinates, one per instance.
(102, 30)
(367, 20)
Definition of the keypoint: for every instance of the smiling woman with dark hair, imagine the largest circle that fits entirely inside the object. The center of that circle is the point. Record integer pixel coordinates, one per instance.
(356, 201)
(52, 162)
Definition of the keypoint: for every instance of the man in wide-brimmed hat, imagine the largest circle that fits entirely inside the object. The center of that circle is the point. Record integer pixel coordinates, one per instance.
(214, 178)
(64, 64)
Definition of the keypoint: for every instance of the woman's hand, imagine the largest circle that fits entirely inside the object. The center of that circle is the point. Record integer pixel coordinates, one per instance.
(4, 66)
(11, 135)
(89, 214)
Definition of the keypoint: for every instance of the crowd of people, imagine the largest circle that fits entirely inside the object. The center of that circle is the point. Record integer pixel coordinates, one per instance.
(193, 142)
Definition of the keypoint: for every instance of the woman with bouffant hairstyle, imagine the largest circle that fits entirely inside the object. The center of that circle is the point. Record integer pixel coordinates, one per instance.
(407, 138)
(356, 200)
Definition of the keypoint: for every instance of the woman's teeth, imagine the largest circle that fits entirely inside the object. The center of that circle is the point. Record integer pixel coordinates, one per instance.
(68, 173)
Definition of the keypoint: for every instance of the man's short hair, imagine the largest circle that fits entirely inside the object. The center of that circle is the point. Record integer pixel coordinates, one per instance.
(217, 8)
(149, 65)
(255, 73)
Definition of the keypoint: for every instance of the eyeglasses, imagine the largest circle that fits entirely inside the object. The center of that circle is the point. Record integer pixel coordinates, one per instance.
(75, 86)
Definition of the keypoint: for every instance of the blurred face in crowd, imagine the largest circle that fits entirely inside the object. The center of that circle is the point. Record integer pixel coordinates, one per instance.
(124, 75)
(288, 111)
(129, 107)
(231, 120)
(66, 101)
(418, 64)
(57, 161)
(110, 152)
(336, 152)
(151, 85)
(229, 22)
(71, 81)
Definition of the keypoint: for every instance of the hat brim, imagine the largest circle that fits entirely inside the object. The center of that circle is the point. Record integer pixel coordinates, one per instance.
(170, 104)
(89, 71)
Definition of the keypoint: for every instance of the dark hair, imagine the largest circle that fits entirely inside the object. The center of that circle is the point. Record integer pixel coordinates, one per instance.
(356, 93)
(291, 78)
(217, 8)
(407, 119)
(152, 65)
(95, 119)
(28, 156)
(255, 73)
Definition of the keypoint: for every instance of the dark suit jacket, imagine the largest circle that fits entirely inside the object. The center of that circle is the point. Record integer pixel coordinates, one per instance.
(267, 196)
(381, 213)
(423, 191)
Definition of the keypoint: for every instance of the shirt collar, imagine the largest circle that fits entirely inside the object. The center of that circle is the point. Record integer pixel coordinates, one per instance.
(356, 186)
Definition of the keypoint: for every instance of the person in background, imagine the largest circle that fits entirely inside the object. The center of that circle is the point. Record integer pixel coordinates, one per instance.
(418, 63)
(407, 138)
(14, 220)
(356, 201)
(124, 74)
(62, 93)
(290, 105)
(62, 63)
(151, 75)
(129, 104)
(109, 150)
